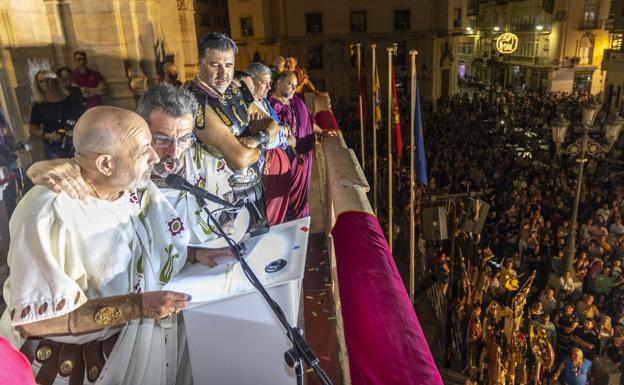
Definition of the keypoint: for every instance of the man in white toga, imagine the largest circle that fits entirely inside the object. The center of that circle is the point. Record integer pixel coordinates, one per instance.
(83, 296)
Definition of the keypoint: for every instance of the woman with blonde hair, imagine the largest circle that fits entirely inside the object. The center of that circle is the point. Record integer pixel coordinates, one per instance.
(575, 369)
(605, 332)
(53, 115)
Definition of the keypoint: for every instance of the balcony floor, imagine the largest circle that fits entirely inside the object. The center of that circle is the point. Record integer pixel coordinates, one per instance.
(319, 315)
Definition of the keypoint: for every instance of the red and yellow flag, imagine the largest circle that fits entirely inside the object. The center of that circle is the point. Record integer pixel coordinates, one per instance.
(396, 120)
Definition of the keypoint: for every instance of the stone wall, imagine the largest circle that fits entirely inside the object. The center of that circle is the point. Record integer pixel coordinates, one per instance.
(126, 40)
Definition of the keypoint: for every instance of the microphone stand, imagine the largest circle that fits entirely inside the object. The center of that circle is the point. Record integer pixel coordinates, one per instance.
(300, 350)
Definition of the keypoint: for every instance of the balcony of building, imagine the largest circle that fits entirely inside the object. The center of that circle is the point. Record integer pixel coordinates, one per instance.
(613, 60)
(615, 24)
(589, 24)
(368, 301)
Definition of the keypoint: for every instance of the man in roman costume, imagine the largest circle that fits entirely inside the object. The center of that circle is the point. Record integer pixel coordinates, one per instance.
(84, 298)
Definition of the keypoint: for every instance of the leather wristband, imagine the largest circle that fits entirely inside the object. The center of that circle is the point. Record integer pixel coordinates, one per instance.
(245, 178)
(102, 313)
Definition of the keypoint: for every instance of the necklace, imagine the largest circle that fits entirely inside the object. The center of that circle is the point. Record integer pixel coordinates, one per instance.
(92, 187)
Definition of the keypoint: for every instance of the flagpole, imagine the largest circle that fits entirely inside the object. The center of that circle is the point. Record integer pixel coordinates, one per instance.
(361, 103)
(412, 232)
(374, 116)
(390, 51)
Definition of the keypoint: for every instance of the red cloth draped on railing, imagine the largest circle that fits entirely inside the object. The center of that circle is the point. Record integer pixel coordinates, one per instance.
(384, 340)
(326, 120)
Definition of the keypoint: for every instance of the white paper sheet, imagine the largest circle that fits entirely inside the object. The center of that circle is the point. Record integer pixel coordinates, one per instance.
(288, 241)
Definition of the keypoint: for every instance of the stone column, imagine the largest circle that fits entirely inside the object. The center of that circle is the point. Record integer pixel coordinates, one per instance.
(186, 14)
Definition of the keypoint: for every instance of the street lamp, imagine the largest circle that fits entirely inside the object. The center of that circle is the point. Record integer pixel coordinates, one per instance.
(559, 127)
(581, 148)
(613, 127)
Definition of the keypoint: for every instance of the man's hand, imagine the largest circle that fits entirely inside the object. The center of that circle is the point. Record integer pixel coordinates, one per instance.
(291, 141)
(248, 142)
(59, 175)
(258, 122)
(207, 256)
(160, 304)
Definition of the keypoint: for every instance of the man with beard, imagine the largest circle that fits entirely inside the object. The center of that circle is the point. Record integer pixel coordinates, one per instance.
(170, 114)
(226, 110)
(73, 263)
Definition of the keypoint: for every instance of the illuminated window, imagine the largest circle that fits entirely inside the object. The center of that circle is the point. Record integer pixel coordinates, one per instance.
(586, 50)
(616, 41)
(590, 12)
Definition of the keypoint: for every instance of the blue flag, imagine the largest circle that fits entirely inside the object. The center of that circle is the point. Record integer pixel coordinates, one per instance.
(419, 141)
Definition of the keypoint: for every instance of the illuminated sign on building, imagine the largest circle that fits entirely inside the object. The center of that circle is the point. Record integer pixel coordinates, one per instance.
(507, 43)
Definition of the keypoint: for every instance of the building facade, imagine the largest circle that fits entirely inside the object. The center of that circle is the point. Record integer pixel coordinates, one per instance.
(211, 16)
(560, 44)
(126, 40)
(613, 60)
(321, 33)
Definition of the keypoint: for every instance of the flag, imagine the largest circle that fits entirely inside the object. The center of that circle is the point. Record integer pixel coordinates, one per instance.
(419, 139)
(377, 98)
(396, 119)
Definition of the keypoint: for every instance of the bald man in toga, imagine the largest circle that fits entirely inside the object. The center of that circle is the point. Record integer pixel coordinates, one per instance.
(84, 293)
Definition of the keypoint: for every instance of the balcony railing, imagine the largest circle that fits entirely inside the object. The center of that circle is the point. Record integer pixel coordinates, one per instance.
(372, 304)
(589, 24)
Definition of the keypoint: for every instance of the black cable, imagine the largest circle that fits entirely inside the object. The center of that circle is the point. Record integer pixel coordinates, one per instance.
(300, 346)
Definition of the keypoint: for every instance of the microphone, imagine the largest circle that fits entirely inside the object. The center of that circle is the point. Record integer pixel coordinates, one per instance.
(177, 182)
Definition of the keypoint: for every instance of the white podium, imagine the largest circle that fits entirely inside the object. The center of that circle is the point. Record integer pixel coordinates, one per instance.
(233, 336)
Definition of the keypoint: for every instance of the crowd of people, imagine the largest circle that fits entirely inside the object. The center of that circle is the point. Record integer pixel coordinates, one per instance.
(500, 146)
(93, 244)
(60, 98)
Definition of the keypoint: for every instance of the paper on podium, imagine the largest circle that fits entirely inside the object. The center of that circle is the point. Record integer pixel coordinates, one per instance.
(288, 241)
(235, 229)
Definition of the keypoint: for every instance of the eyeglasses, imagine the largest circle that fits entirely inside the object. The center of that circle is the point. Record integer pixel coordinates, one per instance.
(164, 141)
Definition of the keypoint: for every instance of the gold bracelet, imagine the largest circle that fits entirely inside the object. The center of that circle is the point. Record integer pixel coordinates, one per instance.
(102, 313)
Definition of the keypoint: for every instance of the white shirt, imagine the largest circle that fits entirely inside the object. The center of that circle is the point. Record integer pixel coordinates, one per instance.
(209, 172)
